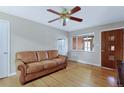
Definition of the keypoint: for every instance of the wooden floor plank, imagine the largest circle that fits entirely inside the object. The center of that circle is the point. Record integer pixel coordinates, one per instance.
(75, 75)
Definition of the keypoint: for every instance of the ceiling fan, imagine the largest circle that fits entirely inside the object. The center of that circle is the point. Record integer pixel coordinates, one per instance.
(66, 15)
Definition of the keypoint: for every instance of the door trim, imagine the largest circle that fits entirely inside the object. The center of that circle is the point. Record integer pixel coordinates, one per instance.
(9, 46)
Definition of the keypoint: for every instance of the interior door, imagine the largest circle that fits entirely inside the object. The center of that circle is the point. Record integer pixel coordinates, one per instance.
(4, 49)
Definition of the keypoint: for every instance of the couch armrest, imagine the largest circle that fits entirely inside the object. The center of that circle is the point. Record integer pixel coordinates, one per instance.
(21, 67)
(64, 57)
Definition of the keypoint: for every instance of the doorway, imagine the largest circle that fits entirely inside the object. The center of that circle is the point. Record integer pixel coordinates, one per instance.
(61, 44)
(4, 49)
(111, 47)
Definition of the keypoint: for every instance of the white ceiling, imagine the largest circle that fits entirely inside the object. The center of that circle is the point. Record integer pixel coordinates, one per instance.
(92, 15)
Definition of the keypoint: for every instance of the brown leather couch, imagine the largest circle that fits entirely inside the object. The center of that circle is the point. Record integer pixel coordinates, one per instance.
(34, 64)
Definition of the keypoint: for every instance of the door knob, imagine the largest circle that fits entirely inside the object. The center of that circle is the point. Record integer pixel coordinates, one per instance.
(5, 52)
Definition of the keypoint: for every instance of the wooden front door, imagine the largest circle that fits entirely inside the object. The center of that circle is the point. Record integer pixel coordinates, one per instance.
(111, 47)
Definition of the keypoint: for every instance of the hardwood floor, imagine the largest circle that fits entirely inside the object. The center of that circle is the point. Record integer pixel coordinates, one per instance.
(75, 75)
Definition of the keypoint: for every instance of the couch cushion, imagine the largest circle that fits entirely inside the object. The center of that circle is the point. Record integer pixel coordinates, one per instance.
(49, 64)
(27, 57)
(52, 54)
(59, 60)
(34, 67)
(42, 55)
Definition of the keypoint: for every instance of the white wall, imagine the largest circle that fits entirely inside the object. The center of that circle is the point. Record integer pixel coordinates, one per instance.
(27, 35)
(93, 58)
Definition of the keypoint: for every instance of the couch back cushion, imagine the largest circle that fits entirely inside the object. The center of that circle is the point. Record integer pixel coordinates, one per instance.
(52, 54)
(42, 55)
(27, 56)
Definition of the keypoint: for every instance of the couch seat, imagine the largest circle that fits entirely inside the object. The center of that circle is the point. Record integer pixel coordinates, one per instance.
(49, 64)
(34, 67)
(59, 61)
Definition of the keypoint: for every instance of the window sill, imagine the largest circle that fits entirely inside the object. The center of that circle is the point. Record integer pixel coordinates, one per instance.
(82, 51)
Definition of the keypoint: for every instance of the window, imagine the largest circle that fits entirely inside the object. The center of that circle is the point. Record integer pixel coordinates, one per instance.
(80, 43)
(88, 43)
(61, 46)
(83, 42)
(74, 43)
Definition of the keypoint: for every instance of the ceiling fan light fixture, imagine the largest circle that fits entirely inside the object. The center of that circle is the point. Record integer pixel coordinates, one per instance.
(64, 11)
(67, 19)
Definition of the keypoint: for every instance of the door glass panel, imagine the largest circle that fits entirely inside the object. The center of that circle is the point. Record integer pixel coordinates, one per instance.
(112, 38)
(112, 48)
(111, 58)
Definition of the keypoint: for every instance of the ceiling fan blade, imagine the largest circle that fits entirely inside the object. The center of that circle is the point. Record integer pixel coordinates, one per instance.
(54, 20)
(52, 11)
(76, 19)
(64, 22)
(75, 9)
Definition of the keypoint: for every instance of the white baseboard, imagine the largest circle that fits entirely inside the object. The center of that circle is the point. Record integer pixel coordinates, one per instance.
(108, 68)
(81, 61)
(12, 74)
